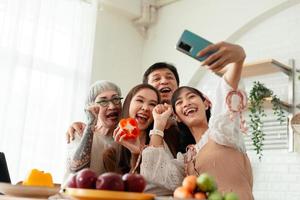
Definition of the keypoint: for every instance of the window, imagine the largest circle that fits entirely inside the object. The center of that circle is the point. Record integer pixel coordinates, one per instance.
(45, 65)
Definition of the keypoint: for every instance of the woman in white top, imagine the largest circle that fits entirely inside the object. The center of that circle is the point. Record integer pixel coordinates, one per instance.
(219, 148)
(103, 110)
(138, 105)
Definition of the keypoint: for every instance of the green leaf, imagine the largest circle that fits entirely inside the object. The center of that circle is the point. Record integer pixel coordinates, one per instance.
(257, 96)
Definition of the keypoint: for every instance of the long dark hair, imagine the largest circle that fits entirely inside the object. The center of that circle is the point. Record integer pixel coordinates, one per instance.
(186, 137)
(125, 154)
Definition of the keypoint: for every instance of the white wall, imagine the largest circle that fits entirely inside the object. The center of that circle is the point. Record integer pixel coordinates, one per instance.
(118, 49)
(277, 176)
(215, 20)
(128, 8)
(277, 37)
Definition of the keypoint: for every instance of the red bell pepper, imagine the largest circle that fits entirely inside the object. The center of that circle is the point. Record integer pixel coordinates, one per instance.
(129, 127)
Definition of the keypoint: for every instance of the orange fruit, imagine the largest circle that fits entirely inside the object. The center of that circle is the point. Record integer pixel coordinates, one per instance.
(182, 192)
(189, 183)
(200, 195)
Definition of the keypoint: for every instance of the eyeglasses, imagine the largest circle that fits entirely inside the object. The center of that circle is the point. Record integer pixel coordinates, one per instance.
(114, 100)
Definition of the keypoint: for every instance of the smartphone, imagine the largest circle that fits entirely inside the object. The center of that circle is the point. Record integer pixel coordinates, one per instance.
(190, 44)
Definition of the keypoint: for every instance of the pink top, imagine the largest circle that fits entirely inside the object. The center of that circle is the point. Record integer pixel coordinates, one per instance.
(230, 168)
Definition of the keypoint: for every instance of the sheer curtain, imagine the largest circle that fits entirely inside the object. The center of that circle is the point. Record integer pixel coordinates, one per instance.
(45, 64)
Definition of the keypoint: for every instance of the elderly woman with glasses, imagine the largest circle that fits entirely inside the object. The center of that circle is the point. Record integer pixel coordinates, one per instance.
(103, 109)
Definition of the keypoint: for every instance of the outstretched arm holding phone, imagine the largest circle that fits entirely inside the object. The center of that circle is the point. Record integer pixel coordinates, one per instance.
(227, 57)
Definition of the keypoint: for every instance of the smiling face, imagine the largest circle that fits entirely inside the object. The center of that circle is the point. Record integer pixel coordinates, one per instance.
(165, 82)
(190, 108)
(141, 107)
(109, 115)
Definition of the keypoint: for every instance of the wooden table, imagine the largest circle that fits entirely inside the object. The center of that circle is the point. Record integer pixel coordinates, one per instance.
(5, 197)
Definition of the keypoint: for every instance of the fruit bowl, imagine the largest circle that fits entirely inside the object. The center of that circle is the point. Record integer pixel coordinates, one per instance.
(94, 194)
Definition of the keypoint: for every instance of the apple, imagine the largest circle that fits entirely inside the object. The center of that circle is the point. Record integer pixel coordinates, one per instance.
(86, 178)
(215, 196)
(231, 196)
(71, 183)
(206, 183)
(134, 182)
(110, 181)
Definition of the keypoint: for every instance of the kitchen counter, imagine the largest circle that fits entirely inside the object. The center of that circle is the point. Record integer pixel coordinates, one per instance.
(5, 197)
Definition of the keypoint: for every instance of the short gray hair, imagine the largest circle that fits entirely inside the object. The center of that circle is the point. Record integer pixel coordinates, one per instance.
(99, 87)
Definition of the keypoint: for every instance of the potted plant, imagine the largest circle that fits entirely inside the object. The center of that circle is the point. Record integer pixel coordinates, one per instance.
(257, 97)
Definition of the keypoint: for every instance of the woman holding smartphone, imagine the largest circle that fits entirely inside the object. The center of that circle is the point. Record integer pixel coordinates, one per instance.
(219, 149)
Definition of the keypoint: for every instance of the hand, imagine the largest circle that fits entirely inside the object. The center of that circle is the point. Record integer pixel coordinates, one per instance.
(92, 113)
(133, 145)
(75, 128)
(161, 114)
(171, 122)
(93, 118)
(225, 53)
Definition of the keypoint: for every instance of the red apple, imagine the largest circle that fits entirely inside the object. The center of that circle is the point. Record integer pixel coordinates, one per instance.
(110, 181)
(72, 182)
(134, 182)
(86, 178)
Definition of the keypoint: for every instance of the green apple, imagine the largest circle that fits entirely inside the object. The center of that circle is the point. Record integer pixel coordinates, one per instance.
(215, 196)
(231, 196)
(206, 183)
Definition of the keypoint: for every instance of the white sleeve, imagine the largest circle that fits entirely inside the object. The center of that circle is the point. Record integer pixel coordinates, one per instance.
(159, 168)
(219, 99)
(224, 131)
(224, 125)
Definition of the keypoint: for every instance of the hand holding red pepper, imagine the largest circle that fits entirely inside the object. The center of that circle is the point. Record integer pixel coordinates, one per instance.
(127, 135)
(129, 128)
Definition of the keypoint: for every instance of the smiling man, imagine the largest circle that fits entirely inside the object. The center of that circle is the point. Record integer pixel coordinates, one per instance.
(164, 77)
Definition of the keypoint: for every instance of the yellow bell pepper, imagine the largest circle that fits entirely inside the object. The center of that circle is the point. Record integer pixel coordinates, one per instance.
(38, 178)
